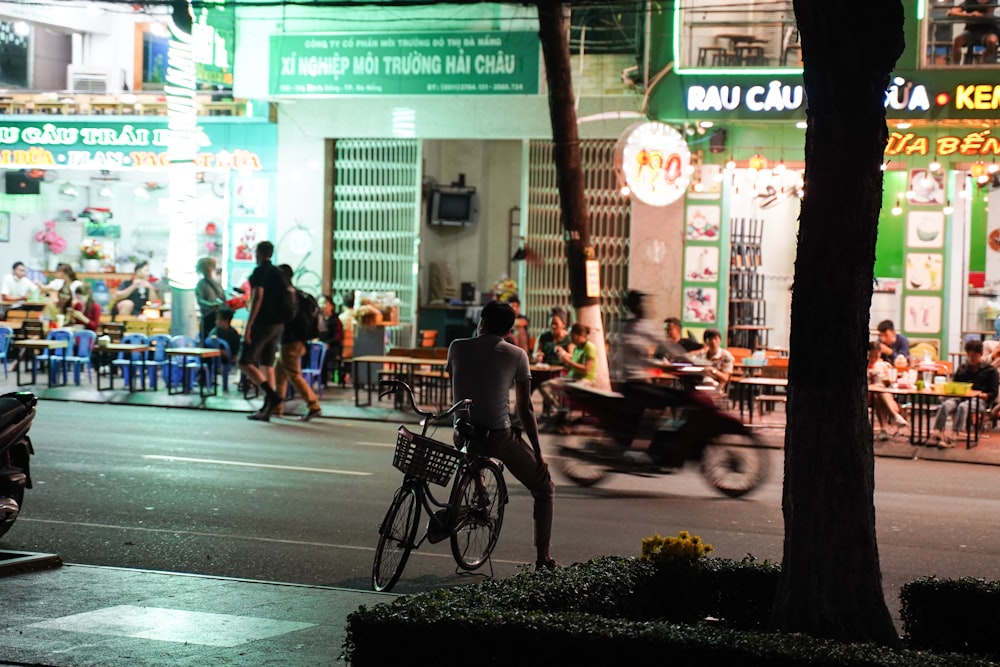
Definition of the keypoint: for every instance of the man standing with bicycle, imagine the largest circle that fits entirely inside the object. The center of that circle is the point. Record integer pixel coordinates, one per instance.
(483, 369)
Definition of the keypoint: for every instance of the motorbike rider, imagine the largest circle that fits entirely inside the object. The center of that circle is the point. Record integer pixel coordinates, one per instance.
(642, 354)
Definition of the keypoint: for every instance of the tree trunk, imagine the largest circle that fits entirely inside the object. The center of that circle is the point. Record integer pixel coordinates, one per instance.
(553, 31)
(831, 581)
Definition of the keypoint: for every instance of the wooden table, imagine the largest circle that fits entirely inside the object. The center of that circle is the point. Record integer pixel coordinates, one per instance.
(543, 372)
(749, 387)
(204, 366)
(36, 346)
(982, 333)
(132, 351)
(401, 366)
(922, 414)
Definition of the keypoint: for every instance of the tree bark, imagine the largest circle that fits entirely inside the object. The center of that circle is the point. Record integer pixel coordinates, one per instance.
(553, 31)
(831, 581)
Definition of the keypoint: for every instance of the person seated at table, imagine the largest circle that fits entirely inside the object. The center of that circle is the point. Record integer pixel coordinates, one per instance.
(886, 407)
(58, 306)
(580, 361)
(893, 344)
(720, 359)
(17, 285)
(519, 333)
(558, 334)
(133, 294)
(983, 32)
(672, 325)
(84, 310)
(64, 275)
(223, 330)
(983, 377)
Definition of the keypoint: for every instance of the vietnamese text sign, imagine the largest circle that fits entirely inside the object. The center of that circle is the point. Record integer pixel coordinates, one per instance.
(464, 63)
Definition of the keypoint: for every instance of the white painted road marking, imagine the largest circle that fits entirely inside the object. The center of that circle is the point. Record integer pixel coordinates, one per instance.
(243, 464)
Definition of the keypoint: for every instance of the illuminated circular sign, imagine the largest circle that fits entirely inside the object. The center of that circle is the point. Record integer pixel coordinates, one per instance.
(655, 162)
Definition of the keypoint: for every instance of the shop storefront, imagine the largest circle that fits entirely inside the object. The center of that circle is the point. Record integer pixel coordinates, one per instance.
(101, 186)
(376, 122)
(935, 271)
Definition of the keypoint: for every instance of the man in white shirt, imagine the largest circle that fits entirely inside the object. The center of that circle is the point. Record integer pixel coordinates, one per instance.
(722, 360)
(16, 285)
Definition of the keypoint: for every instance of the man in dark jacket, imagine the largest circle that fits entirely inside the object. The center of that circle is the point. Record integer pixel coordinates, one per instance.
(983, 377)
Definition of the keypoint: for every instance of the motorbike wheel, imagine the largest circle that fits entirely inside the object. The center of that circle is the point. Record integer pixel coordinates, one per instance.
(579, 471)
(11, 501)
(734, 464)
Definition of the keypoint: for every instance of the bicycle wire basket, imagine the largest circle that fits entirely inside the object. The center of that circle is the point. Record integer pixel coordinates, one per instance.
(421, 457)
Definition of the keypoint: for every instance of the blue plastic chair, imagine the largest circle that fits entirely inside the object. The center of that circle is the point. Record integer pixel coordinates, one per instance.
(156, 358)
(312, 366)
(83, 345)
(224, 364)
(57, 357)
(137, 359)
(175, 365)
(6, 336)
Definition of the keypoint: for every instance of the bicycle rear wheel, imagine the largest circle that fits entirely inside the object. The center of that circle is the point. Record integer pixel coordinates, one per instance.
(396, 539)
(478, 501)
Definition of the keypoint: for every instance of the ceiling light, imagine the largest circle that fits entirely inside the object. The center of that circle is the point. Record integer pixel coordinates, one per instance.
(948, 208)
(898, 208)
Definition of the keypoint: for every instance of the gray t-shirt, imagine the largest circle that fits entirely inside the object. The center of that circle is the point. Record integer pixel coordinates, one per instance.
(483, 369)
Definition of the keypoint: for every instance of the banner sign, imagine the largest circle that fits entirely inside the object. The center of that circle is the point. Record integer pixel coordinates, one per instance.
(431, 63)
(112, 145)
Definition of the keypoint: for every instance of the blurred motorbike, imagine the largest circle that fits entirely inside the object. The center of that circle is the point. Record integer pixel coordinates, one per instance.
(17, 412)
(681, 423)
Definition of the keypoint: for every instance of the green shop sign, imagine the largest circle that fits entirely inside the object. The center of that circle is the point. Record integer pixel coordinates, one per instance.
(433, 63)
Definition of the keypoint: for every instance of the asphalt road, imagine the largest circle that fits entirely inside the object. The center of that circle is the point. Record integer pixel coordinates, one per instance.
(212, 493)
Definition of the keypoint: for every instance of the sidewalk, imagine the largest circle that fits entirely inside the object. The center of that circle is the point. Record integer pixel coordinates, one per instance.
(76, 615)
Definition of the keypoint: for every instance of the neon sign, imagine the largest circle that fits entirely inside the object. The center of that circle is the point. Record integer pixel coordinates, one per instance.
(973, 143)
(774, 97)
(982, 97)
(655, 161)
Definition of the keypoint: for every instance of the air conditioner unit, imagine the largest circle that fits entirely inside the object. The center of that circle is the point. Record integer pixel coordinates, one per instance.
(86, 79)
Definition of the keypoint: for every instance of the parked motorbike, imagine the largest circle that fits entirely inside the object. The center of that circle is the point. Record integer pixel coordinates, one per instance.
(677, 424)
(17, 412)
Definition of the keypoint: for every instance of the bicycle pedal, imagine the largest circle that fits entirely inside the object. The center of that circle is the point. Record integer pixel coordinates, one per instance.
(436, 528)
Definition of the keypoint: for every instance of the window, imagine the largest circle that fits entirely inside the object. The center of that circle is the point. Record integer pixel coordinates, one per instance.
(722, 33)
(958, 39)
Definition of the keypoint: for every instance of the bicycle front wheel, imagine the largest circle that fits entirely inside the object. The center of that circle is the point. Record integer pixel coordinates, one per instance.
(396, 539)
(478, 501)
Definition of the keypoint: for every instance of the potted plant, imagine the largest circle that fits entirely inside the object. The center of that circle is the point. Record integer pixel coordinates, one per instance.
(92, 252)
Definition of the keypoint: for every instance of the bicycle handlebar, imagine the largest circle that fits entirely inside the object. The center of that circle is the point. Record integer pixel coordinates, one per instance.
(387, 387)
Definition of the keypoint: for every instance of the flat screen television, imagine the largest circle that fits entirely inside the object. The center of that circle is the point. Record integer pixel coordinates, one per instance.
(19, 183)
(453, 206)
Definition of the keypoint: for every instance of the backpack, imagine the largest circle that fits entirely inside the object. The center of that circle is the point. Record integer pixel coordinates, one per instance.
(304, 324)
(286, 306)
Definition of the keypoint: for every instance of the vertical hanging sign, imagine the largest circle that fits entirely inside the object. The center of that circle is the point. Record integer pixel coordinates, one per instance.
(182, 148)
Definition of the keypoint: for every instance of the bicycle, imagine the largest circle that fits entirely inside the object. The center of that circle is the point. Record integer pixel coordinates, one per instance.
(473, 514)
